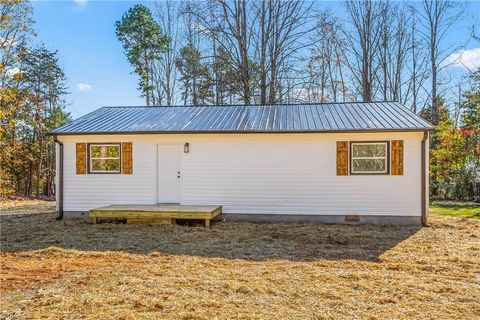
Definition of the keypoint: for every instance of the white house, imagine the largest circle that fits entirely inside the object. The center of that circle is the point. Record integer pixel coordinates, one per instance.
(333, 163)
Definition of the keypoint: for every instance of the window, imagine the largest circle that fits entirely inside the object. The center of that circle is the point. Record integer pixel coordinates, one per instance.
(369, 157)
(104, 158)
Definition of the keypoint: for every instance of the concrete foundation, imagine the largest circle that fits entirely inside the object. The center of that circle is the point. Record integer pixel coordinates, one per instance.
(327, 219)
(282, 218)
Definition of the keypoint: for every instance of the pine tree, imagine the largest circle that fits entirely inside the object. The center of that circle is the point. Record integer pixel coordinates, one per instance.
(226, 81)
(195, 77)
(45, 82)
(143, 41)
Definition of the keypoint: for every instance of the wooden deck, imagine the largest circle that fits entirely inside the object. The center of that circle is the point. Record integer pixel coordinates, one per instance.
(158, 214)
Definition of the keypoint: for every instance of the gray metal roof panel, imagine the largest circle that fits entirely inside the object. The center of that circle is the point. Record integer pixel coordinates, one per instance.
(357, 116)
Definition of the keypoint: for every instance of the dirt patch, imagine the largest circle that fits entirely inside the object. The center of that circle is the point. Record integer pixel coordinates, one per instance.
(72, 269)
(33, 270)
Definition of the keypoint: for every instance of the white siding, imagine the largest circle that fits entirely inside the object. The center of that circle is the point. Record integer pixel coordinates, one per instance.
(253, 174)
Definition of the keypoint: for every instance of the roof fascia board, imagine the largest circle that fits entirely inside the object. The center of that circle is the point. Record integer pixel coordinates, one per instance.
(242, 132)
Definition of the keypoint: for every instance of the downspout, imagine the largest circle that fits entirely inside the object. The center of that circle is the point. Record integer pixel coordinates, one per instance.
(60, 179)
(424, 180)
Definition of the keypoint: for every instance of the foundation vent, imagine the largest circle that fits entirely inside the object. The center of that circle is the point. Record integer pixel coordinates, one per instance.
(352, 218)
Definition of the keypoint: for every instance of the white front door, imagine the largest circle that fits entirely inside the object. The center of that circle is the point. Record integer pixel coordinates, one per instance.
(168, 162)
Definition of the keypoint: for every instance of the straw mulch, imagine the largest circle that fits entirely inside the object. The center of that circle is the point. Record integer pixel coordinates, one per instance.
(73, 269)
(27, 206)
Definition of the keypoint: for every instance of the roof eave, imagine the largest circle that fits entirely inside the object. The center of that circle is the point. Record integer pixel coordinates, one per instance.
(240, 132)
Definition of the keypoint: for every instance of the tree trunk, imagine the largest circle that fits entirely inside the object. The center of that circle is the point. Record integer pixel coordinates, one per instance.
(434, 88)
(244, 51)
(263, 52)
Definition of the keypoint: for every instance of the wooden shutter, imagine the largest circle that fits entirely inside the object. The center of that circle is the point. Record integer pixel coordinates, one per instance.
(397, 157)
(81, 151)
(342, 158)
(127, 165)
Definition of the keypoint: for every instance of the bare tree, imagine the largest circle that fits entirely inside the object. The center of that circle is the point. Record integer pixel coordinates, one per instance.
(437, 17)
(416, 67)
(280, 30)
(264, 30)
(253, 51)
(399, 51)
(236, 27)
(230, 27)
(260, 38)
(365, 40)
(474, 36)
(385, 28)
(165, 73)
(395, 50)
(326, 62)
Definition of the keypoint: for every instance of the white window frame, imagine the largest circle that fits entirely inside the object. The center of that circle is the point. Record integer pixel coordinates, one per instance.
(385, 158)
(91, 158)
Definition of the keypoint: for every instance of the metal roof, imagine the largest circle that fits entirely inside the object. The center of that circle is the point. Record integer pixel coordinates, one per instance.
(325, 117)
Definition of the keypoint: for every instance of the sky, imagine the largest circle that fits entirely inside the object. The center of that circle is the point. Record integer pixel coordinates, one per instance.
(99, 74)
(83, 33)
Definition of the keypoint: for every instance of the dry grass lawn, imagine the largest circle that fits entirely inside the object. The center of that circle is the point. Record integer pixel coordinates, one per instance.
(73, 269)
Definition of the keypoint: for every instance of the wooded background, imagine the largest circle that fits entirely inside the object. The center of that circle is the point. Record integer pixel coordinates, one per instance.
(264, 52)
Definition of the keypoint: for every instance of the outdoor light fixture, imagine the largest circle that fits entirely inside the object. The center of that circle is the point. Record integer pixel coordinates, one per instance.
(186, 147)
